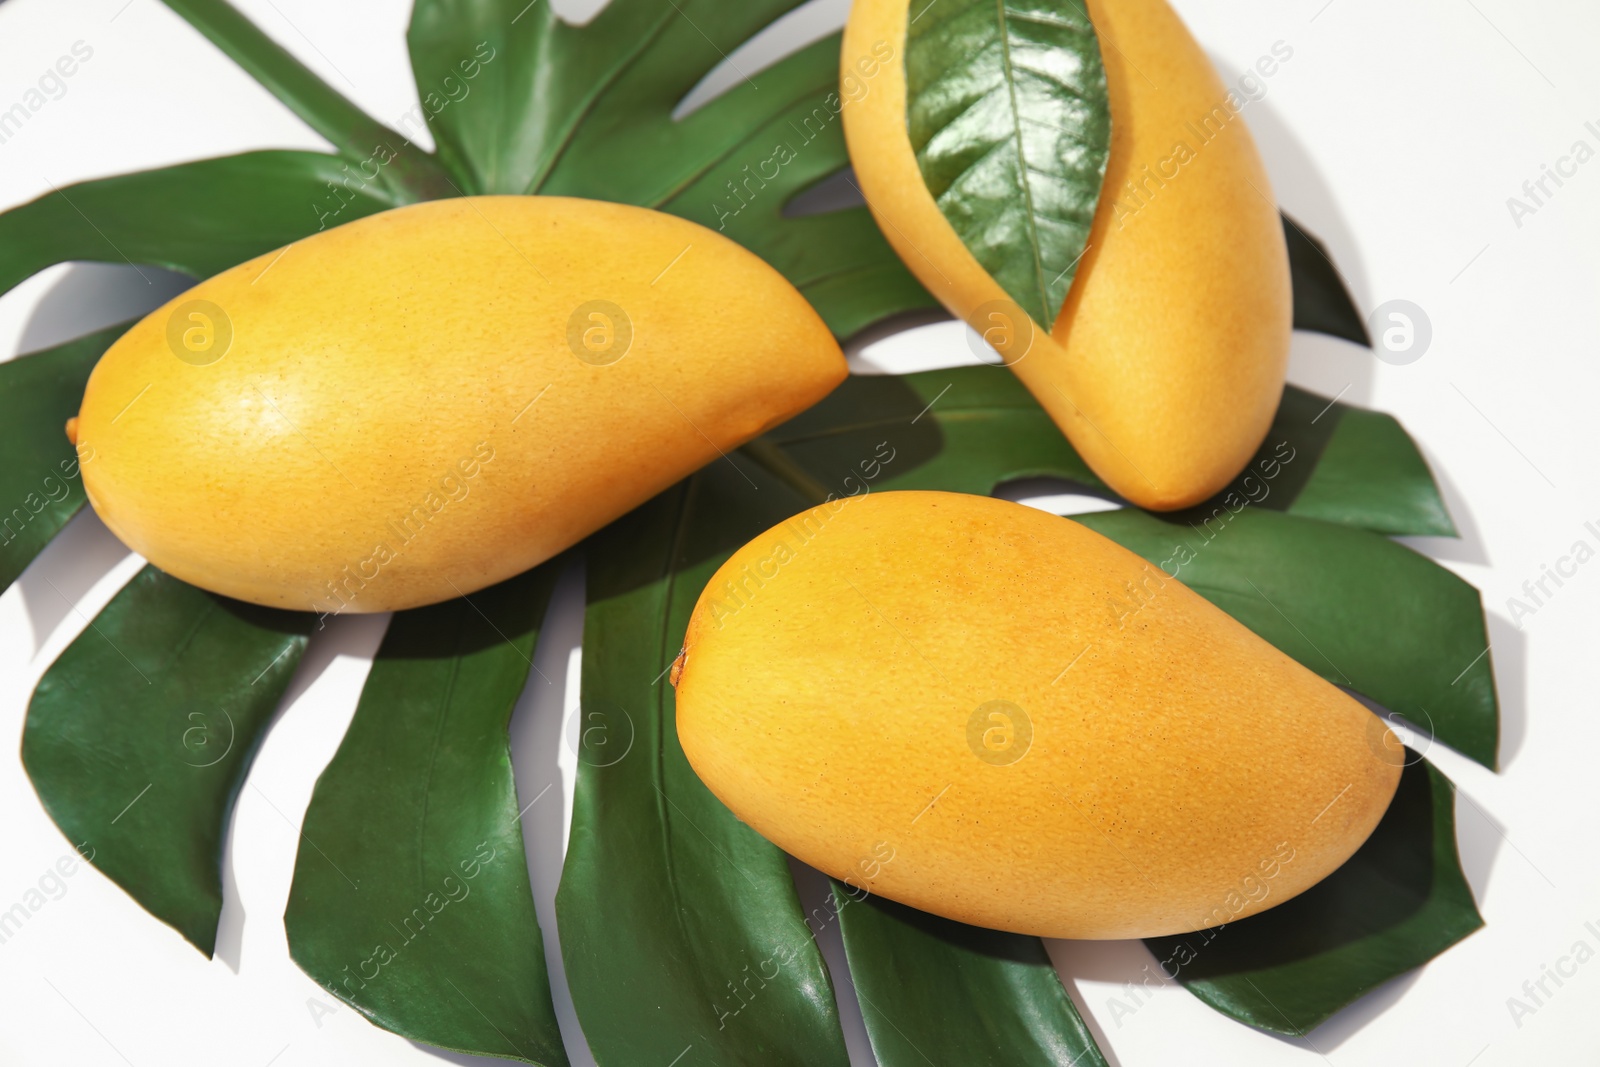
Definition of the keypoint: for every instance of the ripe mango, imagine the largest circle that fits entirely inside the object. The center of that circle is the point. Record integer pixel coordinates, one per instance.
(1166, 362)
(945, 699)
(426, 401)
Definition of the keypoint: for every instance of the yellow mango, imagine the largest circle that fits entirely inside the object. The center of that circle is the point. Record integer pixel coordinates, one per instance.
(424, 402)
(1166, 362)
(943, 699)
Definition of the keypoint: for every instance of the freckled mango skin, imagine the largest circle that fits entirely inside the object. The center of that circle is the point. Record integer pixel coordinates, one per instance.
(407, 381)
(1166, 363)
(1177, 764)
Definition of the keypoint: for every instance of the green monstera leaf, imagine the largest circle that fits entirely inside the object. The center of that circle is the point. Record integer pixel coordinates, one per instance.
(415, 906)
(194, 218)
(673, 914)
(139, 737)
(976, 996)
(677, 920)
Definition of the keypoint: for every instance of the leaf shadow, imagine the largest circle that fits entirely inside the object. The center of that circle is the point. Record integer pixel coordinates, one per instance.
(465, 1059)
(1390, 858)
(1305, 194)
(839, 191)
(274, 619)
(803, 24)
(1510, 652)
(1386, 886)
(1469, 545)
(77, 558)
(1480, 840)
(1350, 1020)
(1304, 422)
(91, 296)
(995, 944)
(1098, 961)
(229, 948)
(488, 605)
(536, 733)
(324, 646)
(817, 901)
(84, 298)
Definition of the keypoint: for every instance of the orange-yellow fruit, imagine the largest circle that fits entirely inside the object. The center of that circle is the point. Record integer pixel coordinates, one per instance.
(944, 699)
(1166, 362)
(421, 403)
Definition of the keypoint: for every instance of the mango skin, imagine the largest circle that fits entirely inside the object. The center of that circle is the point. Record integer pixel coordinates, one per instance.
(401, 419)
(1166, 363)
(1177, 762)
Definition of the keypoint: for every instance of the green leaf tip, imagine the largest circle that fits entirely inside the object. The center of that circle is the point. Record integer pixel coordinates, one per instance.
(411, 899)
(140, 734)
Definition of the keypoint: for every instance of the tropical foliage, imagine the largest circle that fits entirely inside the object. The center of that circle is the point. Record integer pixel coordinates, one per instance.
(679, 926)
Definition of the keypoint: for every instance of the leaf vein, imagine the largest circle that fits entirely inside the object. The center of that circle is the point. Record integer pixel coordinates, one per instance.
(433, 749)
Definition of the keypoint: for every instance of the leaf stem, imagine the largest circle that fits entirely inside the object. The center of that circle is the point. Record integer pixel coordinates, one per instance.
(778, 463)
(412, 174)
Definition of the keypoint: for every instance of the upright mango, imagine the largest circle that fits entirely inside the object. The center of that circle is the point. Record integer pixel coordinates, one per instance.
(424, 402)
(944, 699)
(1166, 361)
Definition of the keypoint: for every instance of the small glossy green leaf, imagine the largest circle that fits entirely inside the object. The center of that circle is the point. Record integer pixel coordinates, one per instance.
(411, 898)
(139, 736)
(1397, 903)
(968, 429)
(195, 218)
(1359, 609)
(407, 172)
(1322, 303)
(1007, 110)
(680, 926)
(936, 991)
(588, 111)
(40, 487)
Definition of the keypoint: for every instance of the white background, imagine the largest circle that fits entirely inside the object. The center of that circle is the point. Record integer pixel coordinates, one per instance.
(1396, 133)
